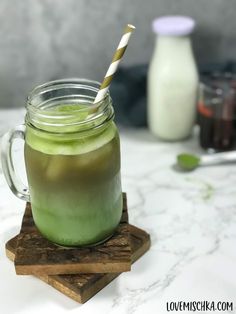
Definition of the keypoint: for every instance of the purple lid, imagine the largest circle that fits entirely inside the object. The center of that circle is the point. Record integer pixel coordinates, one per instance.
(173, 25)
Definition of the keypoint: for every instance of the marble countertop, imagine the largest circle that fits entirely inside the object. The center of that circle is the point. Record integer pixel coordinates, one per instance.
(191, 218)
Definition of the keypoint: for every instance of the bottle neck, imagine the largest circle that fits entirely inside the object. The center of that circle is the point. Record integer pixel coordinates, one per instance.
(175, 45)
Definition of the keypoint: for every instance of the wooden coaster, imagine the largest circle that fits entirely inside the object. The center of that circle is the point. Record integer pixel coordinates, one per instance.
(82, 287)
(35, 255)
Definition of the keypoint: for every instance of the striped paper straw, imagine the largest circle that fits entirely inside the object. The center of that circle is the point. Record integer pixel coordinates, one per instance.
(114, 63)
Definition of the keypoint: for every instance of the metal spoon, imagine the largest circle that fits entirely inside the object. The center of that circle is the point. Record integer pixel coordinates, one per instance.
(190, 162)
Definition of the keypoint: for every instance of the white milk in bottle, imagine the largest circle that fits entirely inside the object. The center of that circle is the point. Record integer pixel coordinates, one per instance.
(172, 79)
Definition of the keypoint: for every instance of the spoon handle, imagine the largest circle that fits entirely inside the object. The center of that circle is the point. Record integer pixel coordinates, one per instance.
(218, 158)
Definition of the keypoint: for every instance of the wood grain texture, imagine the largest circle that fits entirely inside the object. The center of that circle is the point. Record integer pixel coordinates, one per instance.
(82, 287)
(35, 255)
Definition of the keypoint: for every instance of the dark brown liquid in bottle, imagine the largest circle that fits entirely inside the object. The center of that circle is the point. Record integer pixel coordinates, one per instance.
(216, 133)
(217, 129)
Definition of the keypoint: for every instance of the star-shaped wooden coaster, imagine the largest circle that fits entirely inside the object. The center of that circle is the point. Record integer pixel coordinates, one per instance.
(35, 255)
(82, 287)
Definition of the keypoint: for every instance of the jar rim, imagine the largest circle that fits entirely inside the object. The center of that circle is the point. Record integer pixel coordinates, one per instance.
(66, 81)
(41, 112)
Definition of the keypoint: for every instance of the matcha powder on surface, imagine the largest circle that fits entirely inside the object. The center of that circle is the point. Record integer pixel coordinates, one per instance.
(188, 161)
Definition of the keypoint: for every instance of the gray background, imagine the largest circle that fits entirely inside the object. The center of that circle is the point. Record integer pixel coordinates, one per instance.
(42, 40)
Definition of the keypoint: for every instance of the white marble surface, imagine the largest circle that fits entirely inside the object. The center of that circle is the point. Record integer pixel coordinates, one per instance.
(192, 221)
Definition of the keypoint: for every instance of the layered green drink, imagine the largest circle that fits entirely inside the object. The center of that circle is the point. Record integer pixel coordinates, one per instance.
(73, 170)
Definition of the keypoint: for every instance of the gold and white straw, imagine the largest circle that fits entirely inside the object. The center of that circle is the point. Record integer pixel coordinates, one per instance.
(115, 62)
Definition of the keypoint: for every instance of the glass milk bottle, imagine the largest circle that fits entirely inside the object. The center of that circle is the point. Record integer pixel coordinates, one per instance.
(172, 79)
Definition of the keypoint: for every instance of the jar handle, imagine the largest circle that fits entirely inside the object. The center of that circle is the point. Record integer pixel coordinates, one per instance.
(8, 168)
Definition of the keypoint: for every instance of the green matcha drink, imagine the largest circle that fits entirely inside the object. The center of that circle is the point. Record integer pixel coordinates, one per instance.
(72, 159)
(75, 187)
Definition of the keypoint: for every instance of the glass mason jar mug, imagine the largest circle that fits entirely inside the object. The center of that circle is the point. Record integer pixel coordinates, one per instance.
(72, 159)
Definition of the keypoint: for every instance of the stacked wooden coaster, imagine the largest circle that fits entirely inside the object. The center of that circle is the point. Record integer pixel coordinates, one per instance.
(77, 272)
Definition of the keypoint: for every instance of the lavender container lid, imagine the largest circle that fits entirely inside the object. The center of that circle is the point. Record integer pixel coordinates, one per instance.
(173, 25)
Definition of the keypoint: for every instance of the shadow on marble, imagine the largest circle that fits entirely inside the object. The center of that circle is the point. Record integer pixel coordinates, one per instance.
(138, 134)
(28, 292)
(178, 169)
(9, 233)
(143, 135)
(53, 296)
(108, 292)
